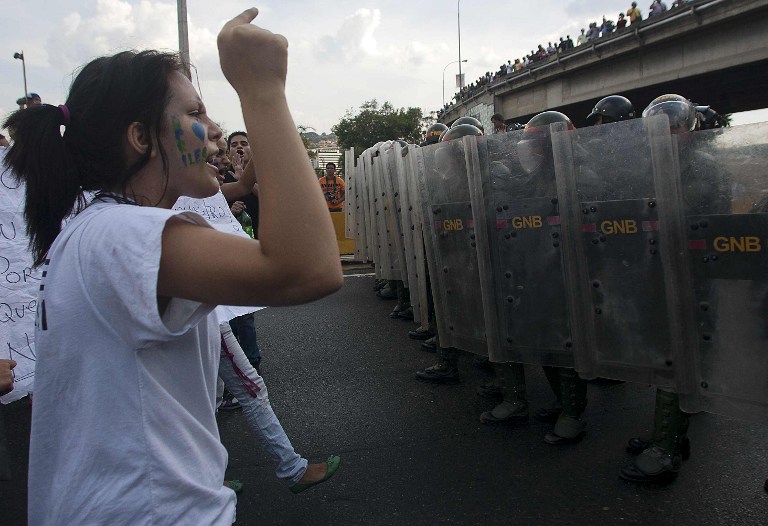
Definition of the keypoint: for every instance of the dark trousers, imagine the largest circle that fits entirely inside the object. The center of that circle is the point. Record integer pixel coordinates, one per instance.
(244, 329)
(17, 419)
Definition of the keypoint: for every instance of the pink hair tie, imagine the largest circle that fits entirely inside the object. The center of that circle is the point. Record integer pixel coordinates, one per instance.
(67, 115)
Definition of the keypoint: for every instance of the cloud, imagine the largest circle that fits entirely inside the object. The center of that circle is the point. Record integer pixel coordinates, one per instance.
(355, 40)
(117, 24)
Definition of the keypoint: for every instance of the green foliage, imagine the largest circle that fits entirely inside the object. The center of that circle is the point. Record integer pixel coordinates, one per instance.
(373, 123)
(303, 129)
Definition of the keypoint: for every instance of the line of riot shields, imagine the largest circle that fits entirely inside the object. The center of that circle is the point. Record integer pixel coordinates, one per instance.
(622, 250)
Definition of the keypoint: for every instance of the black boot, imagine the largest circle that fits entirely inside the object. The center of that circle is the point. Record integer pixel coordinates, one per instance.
(514, 407)
(445, 371)
(635, 446)
(661, 461)
(388, 291)
(549, 415)
(430, 345)
(570, 426)
(403, 300)
(421, 334)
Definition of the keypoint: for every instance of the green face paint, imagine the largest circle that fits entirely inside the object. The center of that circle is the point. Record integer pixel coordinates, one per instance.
(196, 156)
(178, 133)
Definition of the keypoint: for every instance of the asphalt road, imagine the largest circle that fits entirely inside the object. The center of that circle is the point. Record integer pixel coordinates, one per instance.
(340, 375)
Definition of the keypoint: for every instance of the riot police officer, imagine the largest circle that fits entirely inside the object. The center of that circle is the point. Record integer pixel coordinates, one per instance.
(433, 133)
(446, 369)
(613, 108)
(532, 176)
(660, 459)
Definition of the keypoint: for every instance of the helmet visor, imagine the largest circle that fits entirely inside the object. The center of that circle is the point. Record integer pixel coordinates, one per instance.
(682, 115)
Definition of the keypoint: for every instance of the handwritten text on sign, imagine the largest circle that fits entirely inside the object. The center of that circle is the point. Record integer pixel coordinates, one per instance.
(19, 284)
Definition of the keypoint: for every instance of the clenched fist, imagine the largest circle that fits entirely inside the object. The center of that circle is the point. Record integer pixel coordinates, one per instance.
(254, 60)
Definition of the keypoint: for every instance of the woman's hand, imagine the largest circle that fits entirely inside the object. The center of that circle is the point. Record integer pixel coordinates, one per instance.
(254, 60)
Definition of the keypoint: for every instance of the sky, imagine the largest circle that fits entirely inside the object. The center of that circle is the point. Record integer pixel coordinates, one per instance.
(341, 52)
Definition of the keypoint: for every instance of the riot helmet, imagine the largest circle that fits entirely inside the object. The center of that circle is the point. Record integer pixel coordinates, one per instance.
(433, 133)
(533, 147)
(468, 120)
(681, 112)
(709, 118)
(613, 108)
(454, 132)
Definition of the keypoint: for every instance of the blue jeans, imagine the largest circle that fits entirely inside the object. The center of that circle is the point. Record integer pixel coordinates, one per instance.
(242, 380)
(244, 329)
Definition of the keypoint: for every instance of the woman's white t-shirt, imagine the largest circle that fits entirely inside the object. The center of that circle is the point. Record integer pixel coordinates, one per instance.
(123, 426)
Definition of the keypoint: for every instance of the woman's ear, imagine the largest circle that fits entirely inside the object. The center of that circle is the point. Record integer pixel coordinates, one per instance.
(139, 140)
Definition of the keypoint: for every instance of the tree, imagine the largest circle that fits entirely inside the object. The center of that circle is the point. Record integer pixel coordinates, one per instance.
(302, 129)
(373, 123)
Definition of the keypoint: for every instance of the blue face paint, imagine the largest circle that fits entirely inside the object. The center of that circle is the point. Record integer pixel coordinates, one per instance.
(177, 128)
(198, 130)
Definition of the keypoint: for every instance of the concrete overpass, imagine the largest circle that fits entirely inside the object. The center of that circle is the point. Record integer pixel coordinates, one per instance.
(711, 51)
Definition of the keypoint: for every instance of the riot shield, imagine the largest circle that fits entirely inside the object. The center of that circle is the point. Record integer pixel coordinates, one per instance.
(454, 274)
(414, 167)
(350, 198)
(390, 190)
(615, 278)
(382, 203)
(405, 205)
(367, 195)
(355, 225)
(725, 230)
(377, 231)
(517, 224)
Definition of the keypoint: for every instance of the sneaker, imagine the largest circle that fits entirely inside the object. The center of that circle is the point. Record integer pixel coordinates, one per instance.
(440, 373)
(230, 405)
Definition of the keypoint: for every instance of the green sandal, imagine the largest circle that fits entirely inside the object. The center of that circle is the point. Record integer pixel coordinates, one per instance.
(333, 464)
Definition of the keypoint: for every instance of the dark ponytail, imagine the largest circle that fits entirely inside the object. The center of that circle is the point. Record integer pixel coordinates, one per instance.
(108, 94)
(38, 157)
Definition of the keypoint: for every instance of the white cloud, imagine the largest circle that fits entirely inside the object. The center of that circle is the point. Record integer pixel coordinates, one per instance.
(355, 39)
(341, 53)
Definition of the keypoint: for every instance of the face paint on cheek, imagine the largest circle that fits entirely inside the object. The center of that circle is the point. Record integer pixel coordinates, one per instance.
(178, 133)
(176, 128)
(198, 130)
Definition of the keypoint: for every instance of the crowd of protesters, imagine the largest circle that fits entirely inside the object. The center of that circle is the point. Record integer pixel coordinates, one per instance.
(543, 54)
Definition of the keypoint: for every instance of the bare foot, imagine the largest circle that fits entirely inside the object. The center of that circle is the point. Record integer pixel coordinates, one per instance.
(314, 473)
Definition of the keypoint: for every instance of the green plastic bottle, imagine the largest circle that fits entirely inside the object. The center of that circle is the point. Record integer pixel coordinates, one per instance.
(247, 223)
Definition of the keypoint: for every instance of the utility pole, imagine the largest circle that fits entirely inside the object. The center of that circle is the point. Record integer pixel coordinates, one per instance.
(181, 6)
(20, 56)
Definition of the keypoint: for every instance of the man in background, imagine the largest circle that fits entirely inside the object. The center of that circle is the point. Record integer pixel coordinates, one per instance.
(333, 188)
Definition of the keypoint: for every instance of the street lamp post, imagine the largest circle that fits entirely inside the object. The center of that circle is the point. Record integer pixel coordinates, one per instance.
(446, 67)
(458, 23)
(20, 56)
